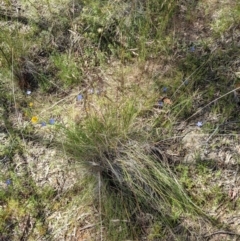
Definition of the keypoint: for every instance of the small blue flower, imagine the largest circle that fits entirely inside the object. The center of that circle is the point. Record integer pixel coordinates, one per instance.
(199, 124)
(8, 182)
(51, 121)
(192, 49)
(164, 89)
(43, 123)
(28, 92)
(185, 82)
(160, 103)
(79, 97)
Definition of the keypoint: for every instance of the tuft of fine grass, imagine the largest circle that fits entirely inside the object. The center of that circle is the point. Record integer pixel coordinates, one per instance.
(135, 177)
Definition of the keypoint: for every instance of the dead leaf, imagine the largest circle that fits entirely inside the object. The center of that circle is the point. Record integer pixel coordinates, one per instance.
(167, 101)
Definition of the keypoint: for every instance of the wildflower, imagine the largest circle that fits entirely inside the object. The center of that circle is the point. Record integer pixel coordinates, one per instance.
(31, 104)
(99, 30)
(28, 92)
(192, 49)
(8, 182)
(51, 121)
(79, 97)
(199, 124)
(160, 103)
(164, 89)
(185, 82)
(43, 123)
(34, 119)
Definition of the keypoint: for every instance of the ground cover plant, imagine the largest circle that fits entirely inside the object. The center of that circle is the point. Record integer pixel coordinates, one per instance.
(119, 120)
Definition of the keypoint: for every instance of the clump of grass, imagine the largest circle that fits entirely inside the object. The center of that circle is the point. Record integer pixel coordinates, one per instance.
(23, 203)
(125, 29)
(225, 19)
(135, 177)
(68, 72)
(17, 56)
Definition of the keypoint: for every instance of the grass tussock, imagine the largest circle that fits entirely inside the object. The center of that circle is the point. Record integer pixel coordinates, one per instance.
(134, 176)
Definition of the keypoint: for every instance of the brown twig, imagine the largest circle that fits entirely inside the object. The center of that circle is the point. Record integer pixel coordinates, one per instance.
(221, 232)
(87, 227)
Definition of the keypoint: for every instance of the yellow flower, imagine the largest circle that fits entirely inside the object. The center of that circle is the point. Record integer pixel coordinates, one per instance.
(30, 104)
(34, 119)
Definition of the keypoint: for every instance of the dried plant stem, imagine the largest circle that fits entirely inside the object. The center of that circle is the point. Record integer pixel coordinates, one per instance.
(221, 232)
(100, 205)
(232, 91)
